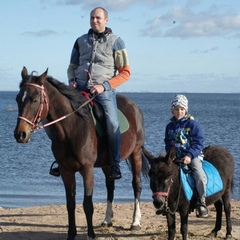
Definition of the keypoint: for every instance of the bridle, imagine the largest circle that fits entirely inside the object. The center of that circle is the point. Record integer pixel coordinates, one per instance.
(44, 100)
(166, 195)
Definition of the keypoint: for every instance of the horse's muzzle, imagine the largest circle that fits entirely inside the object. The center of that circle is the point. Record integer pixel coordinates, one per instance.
(22, 137)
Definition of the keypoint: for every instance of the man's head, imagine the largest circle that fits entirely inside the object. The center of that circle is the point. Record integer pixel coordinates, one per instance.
(98, 19)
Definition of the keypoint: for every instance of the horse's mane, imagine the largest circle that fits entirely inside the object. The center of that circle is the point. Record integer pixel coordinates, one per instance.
(75, 98)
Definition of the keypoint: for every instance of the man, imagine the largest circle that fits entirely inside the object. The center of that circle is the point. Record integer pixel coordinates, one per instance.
(98, 64)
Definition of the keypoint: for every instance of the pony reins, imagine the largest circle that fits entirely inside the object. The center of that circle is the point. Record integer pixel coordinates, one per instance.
(43, 99)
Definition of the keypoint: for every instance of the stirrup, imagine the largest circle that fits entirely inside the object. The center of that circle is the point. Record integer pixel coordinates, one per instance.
(54, 171)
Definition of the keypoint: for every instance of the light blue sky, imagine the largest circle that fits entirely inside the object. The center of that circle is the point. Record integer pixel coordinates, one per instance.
(173, 46)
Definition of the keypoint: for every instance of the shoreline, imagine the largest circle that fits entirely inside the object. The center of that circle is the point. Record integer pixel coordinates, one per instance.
(50, 223)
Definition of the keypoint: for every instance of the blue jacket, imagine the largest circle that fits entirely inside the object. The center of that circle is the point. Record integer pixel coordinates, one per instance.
(187, 136)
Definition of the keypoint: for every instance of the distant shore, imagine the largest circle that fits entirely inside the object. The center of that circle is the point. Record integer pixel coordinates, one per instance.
(50, 223)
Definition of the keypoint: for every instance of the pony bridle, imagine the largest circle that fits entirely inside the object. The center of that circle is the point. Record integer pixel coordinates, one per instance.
(43, 100)
(163, 194)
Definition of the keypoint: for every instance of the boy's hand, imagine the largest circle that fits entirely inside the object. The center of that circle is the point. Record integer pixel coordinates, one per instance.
(187, 160)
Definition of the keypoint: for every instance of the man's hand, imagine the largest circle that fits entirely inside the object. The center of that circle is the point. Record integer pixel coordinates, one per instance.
(73, 85)
(97, 89)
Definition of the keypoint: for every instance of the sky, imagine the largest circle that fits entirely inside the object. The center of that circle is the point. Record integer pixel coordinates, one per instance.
(173, 46)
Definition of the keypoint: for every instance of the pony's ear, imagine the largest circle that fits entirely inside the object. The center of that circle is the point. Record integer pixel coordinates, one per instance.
(172, 155)
(24, 73)
(43, 77)
(148, 155)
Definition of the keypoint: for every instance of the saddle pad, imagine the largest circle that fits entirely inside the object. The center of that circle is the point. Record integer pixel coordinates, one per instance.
(214, 181)
(123, 123)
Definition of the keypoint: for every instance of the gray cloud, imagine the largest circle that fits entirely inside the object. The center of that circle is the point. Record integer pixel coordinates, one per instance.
(42, 33)
(110, 5)
(184, 23)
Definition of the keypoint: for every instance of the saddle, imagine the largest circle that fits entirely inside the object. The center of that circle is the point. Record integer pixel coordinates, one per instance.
(214, 180)
(99, 119)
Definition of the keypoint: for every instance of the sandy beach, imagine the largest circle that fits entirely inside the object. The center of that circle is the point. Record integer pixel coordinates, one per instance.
(50, 223)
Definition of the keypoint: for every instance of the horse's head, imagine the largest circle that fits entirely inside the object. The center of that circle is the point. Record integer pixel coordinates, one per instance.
(161, 178)
(32, 105)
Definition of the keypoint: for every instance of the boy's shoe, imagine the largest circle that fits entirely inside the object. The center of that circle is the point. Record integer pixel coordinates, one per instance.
(202, 211)
(54, 171)
(115, 172)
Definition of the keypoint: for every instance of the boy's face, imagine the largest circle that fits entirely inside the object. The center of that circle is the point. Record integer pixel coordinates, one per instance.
(179, 112)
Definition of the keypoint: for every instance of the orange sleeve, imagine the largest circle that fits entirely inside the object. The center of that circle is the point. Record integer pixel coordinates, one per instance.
(123, 68)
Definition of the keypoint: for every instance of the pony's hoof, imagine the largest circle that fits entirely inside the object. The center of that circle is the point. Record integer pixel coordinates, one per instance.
(212, 234)
(228, 236)
(135, 228)
(106, 224)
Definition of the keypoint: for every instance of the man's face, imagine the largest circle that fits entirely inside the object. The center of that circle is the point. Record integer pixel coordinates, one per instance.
(98, 20)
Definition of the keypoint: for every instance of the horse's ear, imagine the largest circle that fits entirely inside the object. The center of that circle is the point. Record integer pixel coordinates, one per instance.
(24, 73)
(171, 155)
(43, 77)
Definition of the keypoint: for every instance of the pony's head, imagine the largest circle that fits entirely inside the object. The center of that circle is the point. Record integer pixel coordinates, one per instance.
(161, 178)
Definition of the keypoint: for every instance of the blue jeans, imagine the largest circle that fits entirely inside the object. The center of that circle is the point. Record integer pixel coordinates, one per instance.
(199, 177)
(109, 103)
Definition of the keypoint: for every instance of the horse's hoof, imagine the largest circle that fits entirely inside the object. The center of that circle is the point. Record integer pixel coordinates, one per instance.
(106, 224)
(135, 228)
(212, 234)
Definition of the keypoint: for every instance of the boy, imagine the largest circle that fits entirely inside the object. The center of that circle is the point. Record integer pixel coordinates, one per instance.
(187, 136)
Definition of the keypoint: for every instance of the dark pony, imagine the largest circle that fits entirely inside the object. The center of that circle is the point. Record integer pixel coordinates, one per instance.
(76, 145)
(168, 195)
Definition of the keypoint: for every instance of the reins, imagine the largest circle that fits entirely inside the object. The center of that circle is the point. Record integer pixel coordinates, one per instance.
(37, 118)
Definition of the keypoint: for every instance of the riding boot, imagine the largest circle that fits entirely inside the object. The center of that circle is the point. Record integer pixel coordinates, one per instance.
(115, 172)
(54, 171)
(202, 211)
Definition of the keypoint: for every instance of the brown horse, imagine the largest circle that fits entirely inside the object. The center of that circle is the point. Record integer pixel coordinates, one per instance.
(76, 145)
(168, 195)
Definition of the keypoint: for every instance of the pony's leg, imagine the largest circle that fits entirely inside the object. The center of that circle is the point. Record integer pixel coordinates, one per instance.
(227, 210)
(70, 189)
(218, 223)
(136, 164)
(171, 221)
(88, 182)
(110, 185)
(184, 221)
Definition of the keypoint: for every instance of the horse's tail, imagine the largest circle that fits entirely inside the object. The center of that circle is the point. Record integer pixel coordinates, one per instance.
(145, 165)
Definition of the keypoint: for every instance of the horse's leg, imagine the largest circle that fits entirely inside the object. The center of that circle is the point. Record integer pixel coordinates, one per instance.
(136, 164)
(171, 221)
(88, 181)
(227, 210)
(110, 185)
(70, 189)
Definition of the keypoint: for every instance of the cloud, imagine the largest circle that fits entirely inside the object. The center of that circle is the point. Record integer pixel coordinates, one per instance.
(183, 22)
(110, 5)
(42, 33)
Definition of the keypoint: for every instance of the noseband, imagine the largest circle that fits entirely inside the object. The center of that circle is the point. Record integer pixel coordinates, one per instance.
(163, 194)
(43, 100)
